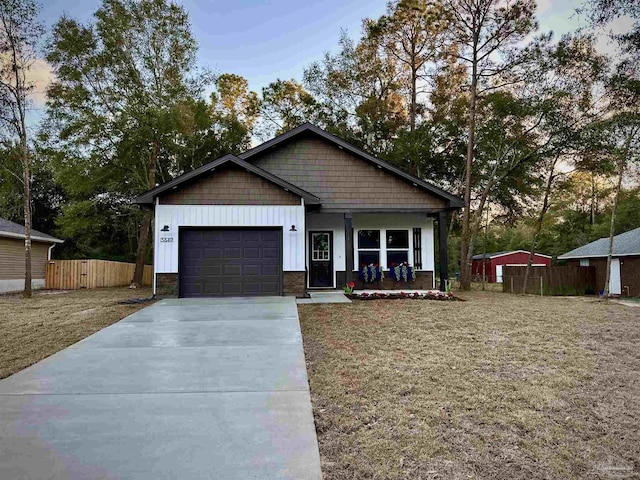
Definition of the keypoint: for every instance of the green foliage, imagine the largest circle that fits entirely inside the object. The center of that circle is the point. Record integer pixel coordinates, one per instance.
(46, 195)
(285, 105)
(125, 113)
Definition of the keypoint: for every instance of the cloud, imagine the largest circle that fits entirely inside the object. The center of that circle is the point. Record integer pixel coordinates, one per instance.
(543, 6)
(605, 44)
(41, 74)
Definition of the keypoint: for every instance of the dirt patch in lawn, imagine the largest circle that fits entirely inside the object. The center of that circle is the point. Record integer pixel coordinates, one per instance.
(501, 386)
(33, 329)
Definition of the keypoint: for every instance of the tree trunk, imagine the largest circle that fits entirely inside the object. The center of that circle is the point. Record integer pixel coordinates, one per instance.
(592, 210)
(143, 236)
(414, 99)
(536, 235)
(465, 238)
(484, 255)
(612, 226)
(27, 217)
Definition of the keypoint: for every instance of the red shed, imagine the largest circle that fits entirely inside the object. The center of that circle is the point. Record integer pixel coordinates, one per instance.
(493, 263)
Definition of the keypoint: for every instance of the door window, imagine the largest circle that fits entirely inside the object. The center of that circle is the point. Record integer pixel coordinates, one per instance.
(320, 247)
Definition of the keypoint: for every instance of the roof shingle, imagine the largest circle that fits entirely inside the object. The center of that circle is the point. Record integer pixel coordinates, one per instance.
(627, 243)
(12, 229)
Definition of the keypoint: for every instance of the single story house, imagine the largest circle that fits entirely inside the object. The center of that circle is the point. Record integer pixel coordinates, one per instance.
(302, 211)
(490, 264)
(12, 263)
(625, 262)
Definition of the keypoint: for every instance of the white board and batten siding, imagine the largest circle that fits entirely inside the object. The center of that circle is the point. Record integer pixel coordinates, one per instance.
(220, 216)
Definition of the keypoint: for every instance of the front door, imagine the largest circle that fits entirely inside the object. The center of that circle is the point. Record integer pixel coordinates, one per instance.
(321, 259)
(498, 273)
(615, 286)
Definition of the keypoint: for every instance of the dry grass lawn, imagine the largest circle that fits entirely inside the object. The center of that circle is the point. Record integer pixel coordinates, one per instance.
(33, 329)
(501, 386)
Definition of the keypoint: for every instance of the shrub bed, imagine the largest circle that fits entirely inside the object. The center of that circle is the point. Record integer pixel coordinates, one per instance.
(442, 296)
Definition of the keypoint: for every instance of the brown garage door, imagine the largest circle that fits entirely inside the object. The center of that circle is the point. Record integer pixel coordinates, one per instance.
(225, 262)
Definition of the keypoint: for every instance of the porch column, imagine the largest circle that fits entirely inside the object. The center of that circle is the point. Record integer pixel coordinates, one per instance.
(348, 245)
(443, 235)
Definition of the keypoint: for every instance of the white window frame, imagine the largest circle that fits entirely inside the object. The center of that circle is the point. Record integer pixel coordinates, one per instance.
(356, 266)
(383, 246)
(584, 262)
(396, 249)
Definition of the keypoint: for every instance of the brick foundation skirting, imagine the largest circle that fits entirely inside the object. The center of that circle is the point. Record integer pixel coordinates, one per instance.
(167, 284)
(294, 283)
(423, 281)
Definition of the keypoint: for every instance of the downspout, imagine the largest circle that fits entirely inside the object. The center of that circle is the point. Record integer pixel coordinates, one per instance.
(155, 246)
(49, 254)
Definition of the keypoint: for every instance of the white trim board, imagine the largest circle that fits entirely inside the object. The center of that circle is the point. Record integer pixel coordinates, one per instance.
(34, 238)
(512, 252)
(615, 255)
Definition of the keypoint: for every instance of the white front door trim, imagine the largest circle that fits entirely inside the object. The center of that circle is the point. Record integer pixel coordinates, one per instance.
(615, 286)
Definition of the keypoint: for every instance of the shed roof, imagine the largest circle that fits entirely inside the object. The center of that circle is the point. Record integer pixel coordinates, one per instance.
(502, 254)
(10, 229)
(624, 244)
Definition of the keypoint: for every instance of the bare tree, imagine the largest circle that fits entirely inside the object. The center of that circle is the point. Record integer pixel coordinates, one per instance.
(18, 37)
(623, 158)
(486, 32)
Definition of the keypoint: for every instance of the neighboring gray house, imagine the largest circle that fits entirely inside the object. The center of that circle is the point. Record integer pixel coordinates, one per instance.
(625, 262)
(12, 263)
(298, 212)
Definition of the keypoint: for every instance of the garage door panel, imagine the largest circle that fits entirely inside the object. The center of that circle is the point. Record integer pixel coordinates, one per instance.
(270, 252)
(269, 236)
(213, 252)
(232, 288)
(249, 237)
(235, 252)
(233, 270)
(270, 288)
(270, 270)
(212, 288)
(221, 262)
(207, 270)
(251, 252)
(251, 270)
(231, 235)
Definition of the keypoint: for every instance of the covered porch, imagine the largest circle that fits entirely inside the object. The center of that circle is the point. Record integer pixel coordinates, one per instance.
(339, 242)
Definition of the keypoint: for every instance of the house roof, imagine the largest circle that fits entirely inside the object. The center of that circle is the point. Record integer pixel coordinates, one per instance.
(452, 200)
(148, 197)
(502, 254)
(624, 244)
(10, 229)
(244, 158)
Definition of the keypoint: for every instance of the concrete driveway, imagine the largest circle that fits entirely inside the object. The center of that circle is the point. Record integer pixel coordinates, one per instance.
(183, 389)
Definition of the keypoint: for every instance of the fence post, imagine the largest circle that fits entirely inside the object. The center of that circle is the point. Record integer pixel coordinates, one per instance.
(541, 284)
(511, 278)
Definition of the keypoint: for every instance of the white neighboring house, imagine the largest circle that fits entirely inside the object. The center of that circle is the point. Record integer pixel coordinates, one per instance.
(12, 262)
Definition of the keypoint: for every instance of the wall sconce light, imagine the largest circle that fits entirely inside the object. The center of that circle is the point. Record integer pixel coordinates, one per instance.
(293, 228)
(165, 228)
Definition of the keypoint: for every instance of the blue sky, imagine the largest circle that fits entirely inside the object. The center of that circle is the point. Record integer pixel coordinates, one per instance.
(265, 40)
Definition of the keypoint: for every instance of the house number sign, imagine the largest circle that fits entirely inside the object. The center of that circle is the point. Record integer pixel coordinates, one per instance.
(166, 239)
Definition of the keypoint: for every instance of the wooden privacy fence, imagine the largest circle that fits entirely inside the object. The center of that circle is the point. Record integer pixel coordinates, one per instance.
(77, 274)
(565, 280)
